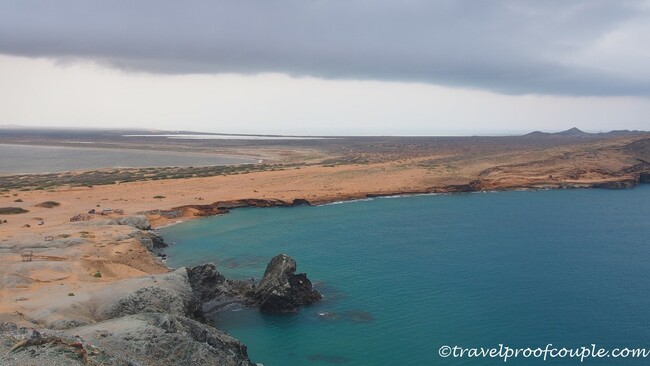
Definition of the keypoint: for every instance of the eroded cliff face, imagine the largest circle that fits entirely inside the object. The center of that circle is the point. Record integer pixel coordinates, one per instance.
(223, 207)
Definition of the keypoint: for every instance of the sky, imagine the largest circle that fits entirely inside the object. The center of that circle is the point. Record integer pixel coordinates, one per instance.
(437, 67)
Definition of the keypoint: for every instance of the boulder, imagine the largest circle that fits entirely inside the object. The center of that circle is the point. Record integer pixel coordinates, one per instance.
(281, 290)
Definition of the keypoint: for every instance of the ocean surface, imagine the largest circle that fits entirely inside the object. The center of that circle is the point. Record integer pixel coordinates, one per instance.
(402, 277)
(51, 159)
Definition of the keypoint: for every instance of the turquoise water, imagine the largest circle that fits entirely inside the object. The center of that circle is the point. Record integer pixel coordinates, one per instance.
(403, 276)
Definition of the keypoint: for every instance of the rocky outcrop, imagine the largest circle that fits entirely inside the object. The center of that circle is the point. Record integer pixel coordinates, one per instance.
(168, 293)
(281, 290)
(300, 202)
(152, 241)
(618, 184)
(140, 321)
(206, 281)
(138, 221)
(158, 320)
(214, 291)
(223, 207)
(251, 202)
(164, 339)
(472, 186)
(644, 178)
(27, 346)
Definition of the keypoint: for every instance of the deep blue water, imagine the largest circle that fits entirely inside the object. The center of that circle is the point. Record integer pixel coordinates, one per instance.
(403, 276)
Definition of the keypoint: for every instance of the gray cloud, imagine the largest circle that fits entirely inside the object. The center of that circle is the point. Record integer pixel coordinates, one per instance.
(512, 47)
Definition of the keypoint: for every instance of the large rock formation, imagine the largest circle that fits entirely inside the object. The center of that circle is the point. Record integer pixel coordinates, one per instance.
(137, 221)
(214, 291)
(281, 290)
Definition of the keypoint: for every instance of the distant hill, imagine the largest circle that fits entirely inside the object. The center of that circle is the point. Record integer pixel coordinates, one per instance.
(573, 132)
(578, 133)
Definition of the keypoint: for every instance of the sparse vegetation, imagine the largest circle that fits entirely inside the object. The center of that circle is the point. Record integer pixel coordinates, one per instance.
(86, 235)
(97, 274)
(159, 197)
(70, 293)
(18, 200)
(27, 182)
(12, 210)
(48, 204)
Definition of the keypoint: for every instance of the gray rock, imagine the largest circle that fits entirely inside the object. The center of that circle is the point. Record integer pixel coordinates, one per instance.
(28, 346)
(138, 221)
(281, 290)
(206, 282)
(164, 339)
(619, 184)
(644, 178)
(165, 293)
(150, 240)
(214, 291)
(151, 299)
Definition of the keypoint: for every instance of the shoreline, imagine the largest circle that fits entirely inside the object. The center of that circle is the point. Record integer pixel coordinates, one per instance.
(223, 207)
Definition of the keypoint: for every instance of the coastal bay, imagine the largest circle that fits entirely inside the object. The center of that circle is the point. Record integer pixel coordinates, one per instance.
(403, 276)
(80, 252)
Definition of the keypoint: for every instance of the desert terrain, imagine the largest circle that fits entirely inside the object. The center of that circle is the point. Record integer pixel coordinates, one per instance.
(75, 264)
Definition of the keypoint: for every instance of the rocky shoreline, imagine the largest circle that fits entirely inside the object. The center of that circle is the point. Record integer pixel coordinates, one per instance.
(639, 174)
(158, 319)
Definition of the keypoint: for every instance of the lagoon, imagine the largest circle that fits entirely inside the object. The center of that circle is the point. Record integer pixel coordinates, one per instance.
(17, 159)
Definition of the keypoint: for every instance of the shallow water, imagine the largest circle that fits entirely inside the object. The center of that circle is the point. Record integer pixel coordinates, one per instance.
(51, 159)
(402, 277)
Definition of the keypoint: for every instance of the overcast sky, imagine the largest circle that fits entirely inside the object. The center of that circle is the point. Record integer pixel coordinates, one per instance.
(327, 67)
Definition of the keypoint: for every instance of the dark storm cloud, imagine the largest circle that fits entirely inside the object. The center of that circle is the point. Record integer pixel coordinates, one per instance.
(505, 46)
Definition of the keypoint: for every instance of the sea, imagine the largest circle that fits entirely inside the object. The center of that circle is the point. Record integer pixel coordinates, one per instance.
(405, 277)
(17, 159)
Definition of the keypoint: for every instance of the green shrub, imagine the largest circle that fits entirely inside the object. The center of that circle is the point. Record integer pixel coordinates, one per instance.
(48, 204)
(12, 210)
